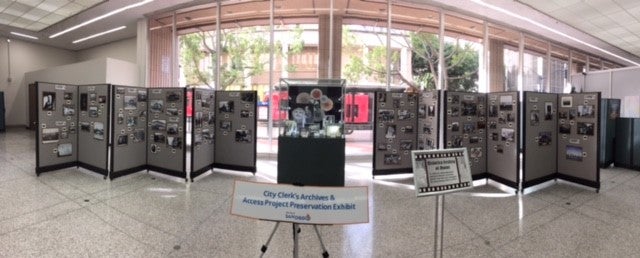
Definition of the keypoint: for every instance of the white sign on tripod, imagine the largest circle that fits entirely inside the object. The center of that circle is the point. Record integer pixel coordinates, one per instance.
(441, 171)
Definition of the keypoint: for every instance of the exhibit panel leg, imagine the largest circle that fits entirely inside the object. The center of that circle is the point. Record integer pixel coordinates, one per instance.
(579, 141)
(202, 132)
(395, 132)
(167, 122)
(129, 122)
(93, 121)
(540, 138)
(235, 137)
(503, 133)
(464, 127)
(56, 137)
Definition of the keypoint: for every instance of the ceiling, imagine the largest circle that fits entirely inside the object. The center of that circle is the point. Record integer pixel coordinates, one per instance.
(614, 21)
(615, 24)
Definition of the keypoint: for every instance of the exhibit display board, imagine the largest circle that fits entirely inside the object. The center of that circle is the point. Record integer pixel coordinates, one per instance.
(235, 137)
(93, 125)
(502, 137)
(129, 123)
(428, 120)
(540, 138)
(202, 133)
(465, 124)
(166, 152)
(610, 112)
(394, 133)
(578, 138)
(56, 137)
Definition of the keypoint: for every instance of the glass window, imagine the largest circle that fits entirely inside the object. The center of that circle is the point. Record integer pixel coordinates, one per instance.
(462, 53)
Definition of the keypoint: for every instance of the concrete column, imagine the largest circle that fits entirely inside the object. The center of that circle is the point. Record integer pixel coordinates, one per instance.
(323, 46)
(142, 51)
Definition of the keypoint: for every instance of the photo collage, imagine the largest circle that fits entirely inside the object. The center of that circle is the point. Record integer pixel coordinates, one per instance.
(577, 122)
(166, 120)
(93, 112)
(235, 116)
(58, 126)
(130, 116)
(465, 126)
(203, 118)
(428, 120)
(502, 119)
(395, 130)
(541, 118)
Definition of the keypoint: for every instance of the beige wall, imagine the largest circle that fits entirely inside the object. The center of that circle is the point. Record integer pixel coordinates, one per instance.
(123, 50)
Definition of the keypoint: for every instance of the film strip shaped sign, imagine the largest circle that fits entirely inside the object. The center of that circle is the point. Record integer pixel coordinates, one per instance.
(441, 171)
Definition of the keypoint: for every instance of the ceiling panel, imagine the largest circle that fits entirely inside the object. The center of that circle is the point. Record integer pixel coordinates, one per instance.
(32, 13)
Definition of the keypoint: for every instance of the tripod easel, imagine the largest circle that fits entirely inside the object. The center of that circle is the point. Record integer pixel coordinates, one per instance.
(296, 232)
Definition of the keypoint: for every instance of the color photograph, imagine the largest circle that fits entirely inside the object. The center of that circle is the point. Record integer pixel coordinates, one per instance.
(574, 153)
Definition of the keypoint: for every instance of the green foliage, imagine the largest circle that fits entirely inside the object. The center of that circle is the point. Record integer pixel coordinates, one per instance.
(192, 54)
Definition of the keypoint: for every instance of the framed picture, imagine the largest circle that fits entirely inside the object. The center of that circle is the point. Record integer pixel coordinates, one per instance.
(585, 128)
(172, 129)
(506, 103)
(130, 102)
(156, 105)
(174, 142)
(159, 138)
(243, 136)
(534, 118)
(48, 101)
(68, 110)
(142, 95)
(391, 159)
(65, 149)
(226, 106)
(173, 96)
(573, 152)
(158, 125)
(50, 135)
(544, 138)
(548, 110)
(566, 101)
(98, 131)
(507, 134)
(84, 102)
(123, 140)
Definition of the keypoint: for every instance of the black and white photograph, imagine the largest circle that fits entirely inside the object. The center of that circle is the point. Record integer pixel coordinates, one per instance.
(565, 129)
(403, 114)
(120, 91)
(499, 148)
(247, 96)
(511, 117)
(244, 113)
(382, 97)
(171, 112)
(574, 153)
(173, 96)
(431, 110)
(123, 139)
(566, 101)
(382, 146)
(132, 121)
(586, 111)
(155, 148)
(585, 128)
(475, 152)
(93, 97)
(102, 99)
(386, 115)
(391, 159)
(563, 114)
(544, 138)
(422, 111)
(159, 138)
(158, 125)
(48, 101)
(469, 108)
(69, 110)
(390, 132)
(493, 111)
(207, 134)
(426, 129)
(50, 135)
(130, 102)
(406, 144)
(469, 127)
(225, 125)
(495, 136)
(85, 126)
(65, 149)
(573, 113)
(120, 118)
(474, 139)
(174, 142)
(172, 128)
(197, 119)
(211, 118)
(72, 129)
(156, 105)
(68, 95)
(139, 135)
(481, 125)
(142, 96)
(93, 111)
(64, 135)
(225, 106)
(502, 120)
(548, 110)
(197, 139)
(98, 131)
(408, 129)
(456, 141)
(455, 127)
(206, 102)
(507, 134)
(84, 102)
(534, 118)
(396, 103)
(455, 99)
(243, 136)
(455, 111)
(506, 103)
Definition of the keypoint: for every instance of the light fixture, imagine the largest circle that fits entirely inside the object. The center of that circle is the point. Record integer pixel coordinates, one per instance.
(552, 30)
(98, 34)
(119, 10)
(23, 35)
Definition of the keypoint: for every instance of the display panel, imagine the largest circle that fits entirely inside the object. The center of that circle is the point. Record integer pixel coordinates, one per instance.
(57, 136)
(395, 132)
(236, 124)
(94, 112)
(166, 148)
(502, 137)
(129, 122)
(428, 120)
(540, 138)
(578, 138)
(203, 129)
(465, 127)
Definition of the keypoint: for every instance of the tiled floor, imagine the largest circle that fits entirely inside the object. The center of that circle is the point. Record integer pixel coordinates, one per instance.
(76, 213)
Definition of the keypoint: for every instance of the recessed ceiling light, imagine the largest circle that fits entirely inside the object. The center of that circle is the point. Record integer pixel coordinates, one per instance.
(23, 35)
(119, 10)
(98, 34)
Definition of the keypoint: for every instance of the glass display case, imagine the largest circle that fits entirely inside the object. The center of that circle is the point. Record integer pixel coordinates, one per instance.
(314, 108)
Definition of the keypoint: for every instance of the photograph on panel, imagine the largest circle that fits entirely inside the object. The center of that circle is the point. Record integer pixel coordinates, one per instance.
(142, 96)
(173, 96)
(506, 103)
(585, 128)
(548, 110)
(391, 159)
(84, 102)
(574, 152)
(586, 111)
(139, 135)
(98, 130)
(158, 125)
(544, 138)
(50, 135)
(65, 149)
(243, 136)
(507, 134)
(123, 139)
(156, 105)
(48, 101)
(565, 129)
(93, 111)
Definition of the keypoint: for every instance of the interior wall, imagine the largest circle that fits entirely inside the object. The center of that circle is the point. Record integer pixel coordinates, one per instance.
(25, 57)
(121, 72)
(125, 49)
